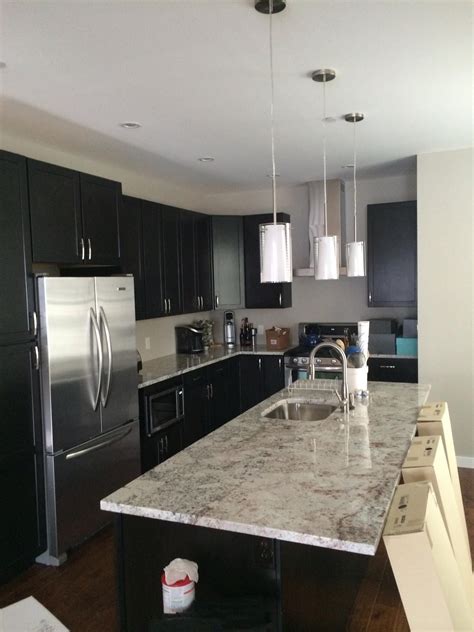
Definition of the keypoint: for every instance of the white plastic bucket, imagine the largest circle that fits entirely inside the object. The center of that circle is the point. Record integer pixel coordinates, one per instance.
(177, 597)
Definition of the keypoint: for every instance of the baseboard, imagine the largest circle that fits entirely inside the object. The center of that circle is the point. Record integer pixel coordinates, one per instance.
(465, 461)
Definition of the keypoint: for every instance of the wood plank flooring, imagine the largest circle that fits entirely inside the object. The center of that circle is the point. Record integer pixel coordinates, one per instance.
(82, 592)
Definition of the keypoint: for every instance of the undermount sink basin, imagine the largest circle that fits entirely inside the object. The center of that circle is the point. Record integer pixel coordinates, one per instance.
(299, 410)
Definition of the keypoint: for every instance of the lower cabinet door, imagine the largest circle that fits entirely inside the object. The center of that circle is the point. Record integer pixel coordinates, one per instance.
(20, 536)
(196, 406)
(219, 390)
(251, 381)
(273, 374)
(161, 446)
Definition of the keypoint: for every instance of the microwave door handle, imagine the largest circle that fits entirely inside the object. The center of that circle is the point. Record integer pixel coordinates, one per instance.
(108, 340)
(95, 327)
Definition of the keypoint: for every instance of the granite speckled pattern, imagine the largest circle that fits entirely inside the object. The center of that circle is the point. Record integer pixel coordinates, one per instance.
(324, 483)
(173, 365)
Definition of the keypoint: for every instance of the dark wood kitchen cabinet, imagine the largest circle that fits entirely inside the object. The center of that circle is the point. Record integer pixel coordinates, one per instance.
(228, 262)
(261, 295)
(171, 265)
(131, 249)
(22, 528)
(196, 262)
(260, 377)
(74, 216)
(196, 405)
(17, 318)
(392, 254)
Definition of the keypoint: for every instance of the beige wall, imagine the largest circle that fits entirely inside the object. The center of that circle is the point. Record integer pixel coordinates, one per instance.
(445, 287)
(341, 300)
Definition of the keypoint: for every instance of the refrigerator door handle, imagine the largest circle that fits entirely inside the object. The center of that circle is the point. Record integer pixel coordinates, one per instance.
(108, 340)
(98, 446)
(95, 326)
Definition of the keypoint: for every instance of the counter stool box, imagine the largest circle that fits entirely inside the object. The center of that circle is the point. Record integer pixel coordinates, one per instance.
(426, 461)
(434, 419)
(423, 563)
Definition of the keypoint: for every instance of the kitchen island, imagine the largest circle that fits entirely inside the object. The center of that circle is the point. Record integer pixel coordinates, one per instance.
(280, 515)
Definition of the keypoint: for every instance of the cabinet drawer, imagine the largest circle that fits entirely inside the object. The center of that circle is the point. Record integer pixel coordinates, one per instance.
(393, 369)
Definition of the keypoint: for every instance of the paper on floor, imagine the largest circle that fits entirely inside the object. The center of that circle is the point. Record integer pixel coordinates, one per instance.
(28, 615)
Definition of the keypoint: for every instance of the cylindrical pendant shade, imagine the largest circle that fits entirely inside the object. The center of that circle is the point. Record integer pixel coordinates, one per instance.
(326, 257)
(355, 259)
(276, 264)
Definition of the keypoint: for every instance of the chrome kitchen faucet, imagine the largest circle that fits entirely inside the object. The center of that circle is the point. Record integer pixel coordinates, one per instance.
(344, 394)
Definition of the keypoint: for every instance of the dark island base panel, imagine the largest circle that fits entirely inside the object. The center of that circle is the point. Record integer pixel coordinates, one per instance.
(245, 582)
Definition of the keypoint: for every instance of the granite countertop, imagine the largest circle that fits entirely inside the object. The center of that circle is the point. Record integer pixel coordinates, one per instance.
(324, 483)
(160, 369)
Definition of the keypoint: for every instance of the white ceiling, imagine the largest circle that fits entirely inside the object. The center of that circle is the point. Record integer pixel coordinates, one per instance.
(196, 75)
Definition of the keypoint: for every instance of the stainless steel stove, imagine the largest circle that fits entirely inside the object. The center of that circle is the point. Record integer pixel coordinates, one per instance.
(309, 335)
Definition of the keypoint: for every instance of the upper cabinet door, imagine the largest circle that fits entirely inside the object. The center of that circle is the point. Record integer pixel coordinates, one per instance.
(100, 200)
(16, 296)
(261, 294)
(152, 240)
(55, 207)
(392, 254)
(228, 255)
(191, 302)
(203, 247)
(170, 220)
(131, 249)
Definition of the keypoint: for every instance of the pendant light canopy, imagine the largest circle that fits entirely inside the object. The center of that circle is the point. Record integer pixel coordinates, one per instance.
(326, 248)
(275, 238)
(355, 255)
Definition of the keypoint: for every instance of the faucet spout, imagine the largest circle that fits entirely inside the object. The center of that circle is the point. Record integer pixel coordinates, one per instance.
(344, 395)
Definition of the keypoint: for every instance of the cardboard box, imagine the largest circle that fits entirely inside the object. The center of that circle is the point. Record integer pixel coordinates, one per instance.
(278, 338)
(426, 461)
(423, 562)
(433, 419)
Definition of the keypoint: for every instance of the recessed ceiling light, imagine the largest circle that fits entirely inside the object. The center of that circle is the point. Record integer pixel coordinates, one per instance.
(206, 159)
(2, 65)
(130, 125)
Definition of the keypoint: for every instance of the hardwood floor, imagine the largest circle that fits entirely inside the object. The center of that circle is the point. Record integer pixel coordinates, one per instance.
(82, 592)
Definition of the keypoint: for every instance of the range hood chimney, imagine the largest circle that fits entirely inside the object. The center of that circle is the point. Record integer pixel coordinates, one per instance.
(336, 220)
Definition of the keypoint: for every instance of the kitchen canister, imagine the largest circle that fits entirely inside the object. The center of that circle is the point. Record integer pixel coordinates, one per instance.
(357, 378)
(178, 585)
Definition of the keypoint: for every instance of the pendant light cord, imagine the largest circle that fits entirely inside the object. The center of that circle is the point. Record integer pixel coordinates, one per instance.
(355, 183)
(324, 161)
(272, 118)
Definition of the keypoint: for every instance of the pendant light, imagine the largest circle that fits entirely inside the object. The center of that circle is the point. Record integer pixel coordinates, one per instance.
(355, 256)
(275, 237)
(326, 248)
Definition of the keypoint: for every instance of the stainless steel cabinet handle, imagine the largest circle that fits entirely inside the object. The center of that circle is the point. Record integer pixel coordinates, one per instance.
(217, 301)
(370, 297)
(89, 248)
(202, 302)
(165, 306)
(161, 449)
(180, 403)
(260, 364)
(166, 444)
(279, 363)
(279, 299)
(169, 306)
(74, 455)
(95, 327)
(212, 391)
(36, 361)
(35, 322)
(83, 249)
(208, 391)
(108, 340)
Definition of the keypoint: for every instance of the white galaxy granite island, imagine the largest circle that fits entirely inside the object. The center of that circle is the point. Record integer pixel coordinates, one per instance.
(280, 514)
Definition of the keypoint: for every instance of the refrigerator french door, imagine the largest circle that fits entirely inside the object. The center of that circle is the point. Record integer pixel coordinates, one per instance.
(89, 402)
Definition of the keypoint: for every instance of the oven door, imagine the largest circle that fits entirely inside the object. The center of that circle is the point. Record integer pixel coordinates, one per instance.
(164, 409)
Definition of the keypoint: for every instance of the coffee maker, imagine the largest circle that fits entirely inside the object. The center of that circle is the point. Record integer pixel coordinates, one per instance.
(229, 329)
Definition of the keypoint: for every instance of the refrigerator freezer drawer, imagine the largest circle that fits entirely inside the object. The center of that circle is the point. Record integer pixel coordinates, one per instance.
(79, 478)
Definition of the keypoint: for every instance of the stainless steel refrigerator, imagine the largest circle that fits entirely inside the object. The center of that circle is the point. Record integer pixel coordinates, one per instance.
(89, 402)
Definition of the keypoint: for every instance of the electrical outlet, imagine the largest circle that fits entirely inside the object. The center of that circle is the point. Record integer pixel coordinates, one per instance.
(260, 330)
(147, 344)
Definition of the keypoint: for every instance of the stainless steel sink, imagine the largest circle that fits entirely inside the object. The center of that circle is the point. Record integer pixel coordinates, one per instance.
(299, 410)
